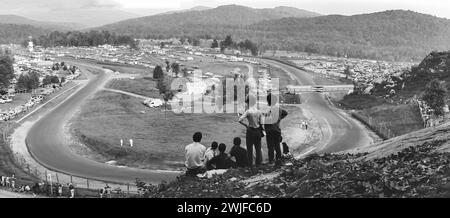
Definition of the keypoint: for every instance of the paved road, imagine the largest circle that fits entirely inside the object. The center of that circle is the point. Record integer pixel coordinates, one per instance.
(46, 140)
(46, 143)
(340, 132)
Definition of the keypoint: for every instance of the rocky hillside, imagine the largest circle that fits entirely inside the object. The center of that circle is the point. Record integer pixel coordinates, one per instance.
(414, 165)
(436, 65)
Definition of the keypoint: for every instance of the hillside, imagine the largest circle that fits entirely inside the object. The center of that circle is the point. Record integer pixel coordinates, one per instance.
(13, 33)
(413, 166)
(202, 21)
(435, 65)
(14, 19)
(390, 35)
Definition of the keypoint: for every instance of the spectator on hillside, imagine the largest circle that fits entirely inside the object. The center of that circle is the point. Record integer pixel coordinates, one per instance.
(13, 181)
(195, 154)
(8, 182)
(36, 189)
(101, 192)
(72, 190)
(60, 190)
(221, 161)
(107, 191)
(211, 151)
(239, 153)
(255, 131)
(272, 119)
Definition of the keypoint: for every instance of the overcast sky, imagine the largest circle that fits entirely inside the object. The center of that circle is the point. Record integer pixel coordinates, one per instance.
(439, 8)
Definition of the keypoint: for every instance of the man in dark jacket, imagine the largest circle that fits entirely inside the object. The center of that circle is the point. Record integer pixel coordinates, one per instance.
(272, 121)
(239, 153)
(221, 161)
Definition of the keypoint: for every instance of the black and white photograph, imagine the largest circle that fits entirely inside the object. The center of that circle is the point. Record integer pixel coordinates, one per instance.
(224, 99)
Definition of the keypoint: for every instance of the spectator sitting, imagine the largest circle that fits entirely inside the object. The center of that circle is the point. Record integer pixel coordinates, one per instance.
(239, 153)
(195, 154)
(221, 161)
(211, 152)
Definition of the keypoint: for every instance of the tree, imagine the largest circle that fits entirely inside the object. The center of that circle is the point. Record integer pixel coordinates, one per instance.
(165, 91)
(175, 68)
(33, 82)
(228, 42)
(215, 44)
(47, 80)
(22, 82)
(434, 97)
(167, 65)
(6, 71)
(28, 81)
(63, 79)
(55, 79)
(158, 73)
(185, 72)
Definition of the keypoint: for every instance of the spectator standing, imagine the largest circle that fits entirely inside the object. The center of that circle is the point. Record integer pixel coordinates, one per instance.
(254, 131)
(13, 181)
(239, 153)
(195, 154)
(272, 119)
(131, 142)
(35, 189)
(72, 190)
(60, 190)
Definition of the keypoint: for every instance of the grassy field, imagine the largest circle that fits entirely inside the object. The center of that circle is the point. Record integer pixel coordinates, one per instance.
(400, 119)
(109, 117)
(143, 86)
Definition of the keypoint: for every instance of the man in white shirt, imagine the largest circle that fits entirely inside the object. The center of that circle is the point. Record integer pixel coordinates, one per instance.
(195, 155)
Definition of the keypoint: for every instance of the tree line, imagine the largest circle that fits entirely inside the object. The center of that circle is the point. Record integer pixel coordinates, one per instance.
(78, 39)
(6, 69)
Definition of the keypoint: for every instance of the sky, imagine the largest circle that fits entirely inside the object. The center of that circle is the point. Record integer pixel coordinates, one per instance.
(440, 8)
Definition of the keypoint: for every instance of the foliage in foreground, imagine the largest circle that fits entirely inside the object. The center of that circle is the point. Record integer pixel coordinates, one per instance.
(413, 172)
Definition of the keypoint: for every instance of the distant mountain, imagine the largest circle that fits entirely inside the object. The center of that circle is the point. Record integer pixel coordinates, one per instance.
(14, 33)
(391, 35)
(229, 15)
(15, 19)
(394, 34)
(196, 8)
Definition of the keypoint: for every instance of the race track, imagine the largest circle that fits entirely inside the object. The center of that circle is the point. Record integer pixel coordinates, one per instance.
(339, 132)
(46, 143)
(46, 139)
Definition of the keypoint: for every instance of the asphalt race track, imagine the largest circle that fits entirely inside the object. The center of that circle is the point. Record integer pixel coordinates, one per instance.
(46, 143)
(46, 140)
(340, 132)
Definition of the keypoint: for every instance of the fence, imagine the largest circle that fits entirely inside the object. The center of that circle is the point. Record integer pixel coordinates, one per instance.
(380, 128)
(53, 178)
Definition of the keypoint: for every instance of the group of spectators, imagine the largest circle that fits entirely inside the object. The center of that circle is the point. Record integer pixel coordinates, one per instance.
(260, 123)
(42, 188)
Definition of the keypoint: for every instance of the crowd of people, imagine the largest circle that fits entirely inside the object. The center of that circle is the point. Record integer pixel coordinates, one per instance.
(259, 123)
(42, 188)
